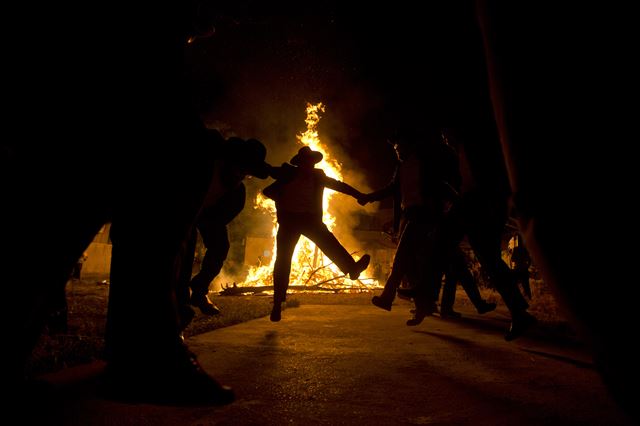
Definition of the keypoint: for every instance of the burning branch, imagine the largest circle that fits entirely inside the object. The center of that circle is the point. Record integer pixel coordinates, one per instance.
(237, 291)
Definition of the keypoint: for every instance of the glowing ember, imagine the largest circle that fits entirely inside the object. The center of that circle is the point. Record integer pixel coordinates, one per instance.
(309, 267)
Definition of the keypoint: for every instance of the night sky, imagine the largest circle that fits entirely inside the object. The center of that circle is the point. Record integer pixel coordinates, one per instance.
(368, 65)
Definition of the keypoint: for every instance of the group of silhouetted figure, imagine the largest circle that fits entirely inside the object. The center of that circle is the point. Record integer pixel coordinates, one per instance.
(438, 210)
(435, 213)
(119, 71)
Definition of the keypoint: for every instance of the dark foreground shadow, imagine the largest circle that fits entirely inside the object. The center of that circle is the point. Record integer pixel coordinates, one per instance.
(471, 345)
(558, 333)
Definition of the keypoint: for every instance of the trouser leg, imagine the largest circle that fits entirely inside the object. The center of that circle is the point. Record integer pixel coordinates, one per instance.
(217, 243)
(329, 244)
(286, 241)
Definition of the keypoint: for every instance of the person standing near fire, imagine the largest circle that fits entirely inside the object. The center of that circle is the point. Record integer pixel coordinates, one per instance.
(453, 232)
(423, 195)
(212, 225)
(224, 201)
(297, 192)
(520, 264)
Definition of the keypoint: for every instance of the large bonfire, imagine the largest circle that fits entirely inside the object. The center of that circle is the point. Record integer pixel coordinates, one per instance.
(310, 269)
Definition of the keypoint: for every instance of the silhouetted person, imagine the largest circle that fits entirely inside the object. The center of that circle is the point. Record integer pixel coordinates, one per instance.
(521, 262)
(419, 186)
(483, 212)
(456, 272)
(455, 268)
(559, 168)
(238, 159)
(77, 269)
(297, 192)
(212, 226)
(126, 127)
(453, 261)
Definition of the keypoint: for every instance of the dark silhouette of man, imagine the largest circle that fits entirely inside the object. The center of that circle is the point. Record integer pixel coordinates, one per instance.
(297, 192)
(484, 207)
(212, 226)
(420, 186)
(521, 262)
(559, 171)
(125, 126)
(457, 271)
(239, 158)
(454, 261)
(445, 256)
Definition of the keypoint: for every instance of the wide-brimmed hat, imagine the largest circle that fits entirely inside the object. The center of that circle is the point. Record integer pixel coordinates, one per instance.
(306, 155)
(250, 153)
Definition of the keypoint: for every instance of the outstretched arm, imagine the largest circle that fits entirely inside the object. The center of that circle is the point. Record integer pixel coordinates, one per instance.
(283, 172)
(339, 186)
(380, 194)
(390, 190)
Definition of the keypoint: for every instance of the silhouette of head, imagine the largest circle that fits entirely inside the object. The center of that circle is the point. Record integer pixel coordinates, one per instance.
(248, 156)
(410, 139)
(306, 157)
(403, 145)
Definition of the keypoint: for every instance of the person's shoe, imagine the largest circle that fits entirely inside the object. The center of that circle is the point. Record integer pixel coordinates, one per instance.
(360, 266)
(176, 380)
(401, 293)
(417, 318)
(201, 301)
(431, 309)
(450, 313)
(276, 312)
(382, 302)
(520, 324)
(486, 307)
(406, 292)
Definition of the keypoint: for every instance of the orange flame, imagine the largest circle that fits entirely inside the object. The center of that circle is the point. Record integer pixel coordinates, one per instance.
(309, 266)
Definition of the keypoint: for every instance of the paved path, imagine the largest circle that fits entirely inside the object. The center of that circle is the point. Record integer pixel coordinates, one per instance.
(359, 365)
